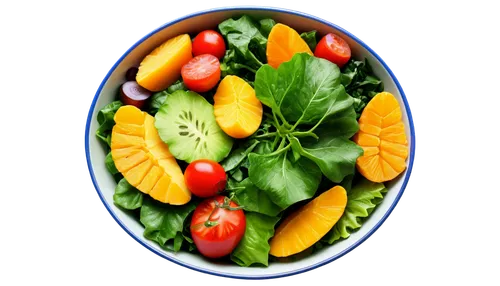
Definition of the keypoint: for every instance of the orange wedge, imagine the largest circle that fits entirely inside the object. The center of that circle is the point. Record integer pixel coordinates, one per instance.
(144, 159)
(283, 43)
(383, 139)
(309, 224)
(162, 67)
(237, 110)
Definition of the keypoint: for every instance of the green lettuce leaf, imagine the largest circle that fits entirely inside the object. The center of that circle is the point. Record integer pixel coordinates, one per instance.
(361, 200)
(247, 195)
(361, 83)
(237, 156)
(162, 222)
(310, 39)
(266, 25)
(126, 196)
(283, 181)
(105, 118)
(157, 99)
(110, 164)
(246, 46)
(254, 246)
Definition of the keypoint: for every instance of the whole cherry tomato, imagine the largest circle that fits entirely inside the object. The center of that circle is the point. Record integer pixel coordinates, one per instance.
(217, 226)
(209, 42)
(205, 178)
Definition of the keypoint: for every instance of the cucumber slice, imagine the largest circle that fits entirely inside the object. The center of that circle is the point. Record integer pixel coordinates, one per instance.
(186, 122)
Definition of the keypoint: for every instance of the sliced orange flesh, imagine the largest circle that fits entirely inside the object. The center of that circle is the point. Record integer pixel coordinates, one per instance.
(382, 136)
(237, 110)
(283, 43)
(162, 66)
(309, 224)
(144, 159)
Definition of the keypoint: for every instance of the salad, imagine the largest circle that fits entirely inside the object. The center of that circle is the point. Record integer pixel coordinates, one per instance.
(252, 143)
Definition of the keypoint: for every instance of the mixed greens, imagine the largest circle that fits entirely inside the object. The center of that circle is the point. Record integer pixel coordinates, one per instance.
(302, 148)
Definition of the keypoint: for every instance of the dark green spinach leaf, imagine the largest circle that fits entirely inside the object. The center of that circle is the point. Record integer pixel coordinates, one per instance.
(126, 196)
(105, 118)
(310, 39)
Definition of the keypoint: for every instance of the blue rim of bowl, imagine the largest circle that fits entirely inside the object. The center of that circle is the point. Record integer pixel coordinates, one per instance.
(283, 274)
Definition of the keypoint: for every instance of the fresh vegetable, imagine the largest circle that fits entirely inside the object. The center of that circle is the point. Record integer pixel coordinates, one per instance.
(126, 196)
(158, 98)
(209, 42)
(131, 74)
(310, 39)
(254, 246)
(205, 178)
(360, 83)
(306, 226)
(361, 201)
(304, 92)
(246, 194)
(164, 223)
(105, 119)
(186, 122)
(333, 48)
(144, 160)
(201, 73)
(283, 43)
(383, 139)
(246, 51)
(162, 66)
(217, 226)
(132, 93)
(237, 110)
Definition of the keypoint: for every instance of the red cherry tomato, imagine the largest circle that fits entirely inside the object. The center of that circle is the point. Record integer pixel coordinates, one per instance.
(209, 42)
(201, 73)
(333, 48)
(217, 229)
(205, 178)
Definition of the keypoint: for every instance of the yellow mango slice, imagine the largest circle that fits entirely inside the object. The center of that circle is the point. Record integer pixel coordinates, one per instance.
(237, 110)
(309, 224)
(382, 136)
(162, 66)
(144, 159)
(283, 43)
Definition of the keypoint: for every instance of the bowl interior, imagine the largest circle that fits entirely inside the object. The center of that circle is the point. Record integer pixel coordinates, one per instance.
(105, 184)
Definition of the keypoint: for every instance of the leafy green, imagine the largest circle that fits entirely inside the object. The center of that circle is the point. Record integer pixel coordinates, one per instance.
(361, 83)
(159, 98)
(284, 182)
(361, 200)
(163, 221)
(246, 51)
(105, 118)
(310, 39)
(247, 195)
(266, 25)
(254, 246)
(126, 196)
(303, 90)
(110, 164)
(237, 156)
(307, 92)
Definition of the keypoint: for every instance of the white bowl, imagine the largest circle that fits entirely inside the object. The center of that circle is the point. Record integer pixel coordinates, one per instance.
(196, 22)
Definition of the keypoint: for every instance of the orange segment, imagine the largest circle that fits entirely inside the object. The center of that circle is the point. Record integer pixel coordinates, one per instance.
(144, 159)
(283, 43)
(382, 136)
(162, 66)
(237, 110)
(309, 224)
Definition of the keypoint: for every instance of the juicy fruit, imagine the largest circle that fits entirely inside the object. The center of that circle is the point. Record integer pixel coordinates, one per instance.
(383, 139)
(237, 110)
(162, 66)
(309, 224)
(283, 43)
(187, 124)
(144, 160)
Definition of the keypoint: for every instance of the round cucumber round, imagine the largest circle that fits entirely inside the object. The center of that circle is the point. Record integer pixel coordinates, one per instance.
(186, 122)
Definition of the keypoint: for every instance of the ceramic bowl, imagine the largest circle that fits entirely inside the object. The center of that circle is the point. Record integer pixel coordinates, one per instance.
(192, 24)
